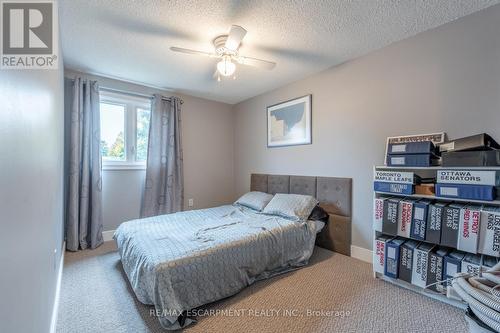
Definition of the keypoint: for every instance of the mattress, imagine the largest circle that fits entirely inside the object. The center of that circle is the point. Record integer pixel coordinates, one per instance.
(180, 261)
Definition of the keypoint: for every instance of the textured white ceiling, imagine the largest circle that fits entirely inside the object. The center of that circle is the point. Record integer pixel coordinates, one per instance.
(130, 39)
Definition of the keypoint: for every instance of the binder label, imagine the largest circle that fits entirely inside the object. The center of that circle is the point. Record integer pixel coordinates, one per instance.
(450, 226)
(494, 226)
(419, 276)
(468, 177)
(391, 253)
(379, 255)
(449, 191)
(397, 160)
(404, 218)
(469, 229)
(451, 269)
(398, 148)
(419, 213)
(436, 216)
(468, 267)
(489, 242)
(452, 219)
(394, 177)
(378, 213)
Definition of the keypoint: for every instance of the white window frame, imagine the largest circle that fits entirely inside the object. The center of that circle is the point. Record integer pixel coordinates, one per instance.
(131, 104)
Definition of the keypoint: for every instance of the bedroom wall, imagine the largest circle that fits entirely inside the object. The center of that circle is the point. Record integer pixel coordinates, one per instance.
(31, 197)
(207, 138)
(446, 79)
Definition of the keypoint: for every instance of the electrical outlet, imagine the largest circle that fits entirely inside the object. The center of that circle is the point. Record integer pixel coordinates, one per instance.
(191, 202)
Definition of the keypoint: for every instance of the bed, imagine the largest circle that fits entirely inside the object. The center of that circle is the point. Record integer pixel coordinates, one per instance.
(178, 262)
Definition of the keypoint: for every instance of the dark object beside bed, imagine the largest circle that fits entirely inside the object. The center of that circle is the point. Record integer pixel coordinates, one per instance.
(319, 214)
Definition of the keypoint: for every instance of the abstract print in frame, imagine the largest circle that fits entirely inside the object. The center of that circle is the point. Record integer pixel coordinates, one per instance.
(289, 123)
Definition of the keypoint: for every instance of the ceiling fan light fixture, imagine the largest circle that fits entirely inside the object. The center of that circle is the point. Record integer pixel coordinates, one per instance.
(226, 48)
(226, 67)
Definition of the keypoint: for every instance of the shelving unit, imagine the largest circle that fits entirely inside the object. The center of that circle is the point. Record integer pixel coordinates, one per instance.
(433, 197)
(427, 171)
(421, 291)
(385, 167)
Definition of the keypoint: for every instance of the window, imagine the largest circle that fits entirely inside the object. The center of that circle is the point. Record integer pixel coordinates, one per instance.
(124, 130)
(112, 132)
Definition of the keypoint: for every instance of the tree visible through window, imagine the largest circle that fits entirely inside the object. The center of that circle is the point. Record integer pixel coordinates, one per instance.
(112, 129)
(124, 129)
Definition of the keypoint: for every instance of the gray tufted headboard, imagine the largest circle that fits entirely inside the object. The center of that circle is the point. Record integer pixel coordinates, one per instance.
(334, 195)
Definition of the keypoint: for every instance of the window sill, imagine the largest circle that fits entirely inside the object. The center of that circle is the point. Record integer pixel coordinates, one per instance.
(123, 166)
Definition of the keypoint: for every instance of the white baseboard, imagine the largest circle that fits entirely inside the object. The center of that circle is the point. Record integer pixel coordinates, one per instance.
(55, 309)
(362, 254)
(108, 235)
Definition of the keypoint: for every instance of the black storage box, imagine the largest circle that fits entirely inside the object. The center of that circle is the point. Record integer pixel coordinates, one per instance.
(406, 260)
(471, 158)
(475, 142)
(435, 269)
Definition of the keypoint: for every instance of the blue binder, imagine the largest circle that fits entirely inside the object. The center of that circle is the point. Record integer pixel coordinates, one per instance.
(391, 268)
(452, 265)
(472, 192)
(396, 188)
(416, 160)
(424, 147)
(419, 220)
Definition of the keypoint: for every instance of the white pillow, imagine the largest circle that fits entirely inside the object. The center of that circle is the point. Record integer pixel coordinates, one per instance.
(292, 206)
(255, 200)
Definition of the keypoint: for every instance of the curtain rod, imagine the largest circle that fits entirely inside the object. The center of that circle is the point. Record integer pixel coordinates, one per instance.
(134, 94)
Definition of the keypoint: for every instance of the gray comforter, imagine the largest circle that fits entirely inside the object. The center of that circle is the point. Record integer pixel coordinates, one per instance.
(180, 261)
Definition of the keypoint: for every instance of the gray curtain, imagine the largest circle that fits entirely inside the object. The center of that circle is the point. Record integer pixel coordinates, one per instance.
(164, 185)
(84, 210)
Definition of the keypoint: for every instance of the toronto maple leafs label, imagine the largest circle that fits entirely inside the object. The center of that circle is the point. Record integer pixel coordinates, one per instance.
(394, 177)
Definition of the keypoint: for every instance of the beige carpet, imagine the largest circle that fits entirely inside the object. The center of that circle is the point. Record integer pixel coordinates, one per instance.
(96, 297)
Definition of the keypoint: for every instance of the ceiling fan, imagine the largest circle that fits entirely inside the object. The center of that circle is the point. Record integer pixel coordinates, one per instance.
(226, 49)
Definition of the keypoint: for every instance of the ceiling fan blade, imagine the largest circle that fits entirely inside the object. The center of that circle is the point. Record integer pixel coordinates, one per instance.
(235, 37)
(259, 63)
(189, 51)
